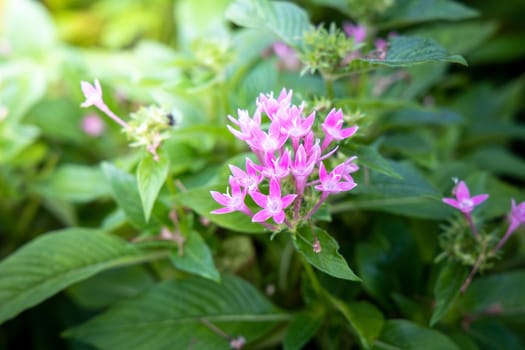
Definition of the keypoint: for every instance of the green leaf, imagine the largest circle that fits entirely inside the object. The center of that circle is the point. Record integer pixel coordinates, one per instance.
(193, 312)
(76, 183)
(284, 19)
(151, 175)
(503, 291)
(416, 117)
(328, 259)
(300, 330)
(195, 257)
(405, 51)
(125, 192)
(364, 319)
(56, 260)
(500, 161)
(203, 203)
(370, 157)
(405, 12)
(111, 286)
(405, 335)
(14, 139)
(448, 284)
(23, 38)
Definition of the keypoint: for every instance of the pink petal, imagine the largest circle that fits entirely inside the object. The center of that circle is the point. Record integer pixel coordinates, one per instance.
(275, 188)
(480, 198)
(261, 216)
(220, 198)
(279, 217)
(462, 191)
(345, 133)
(225, 210)
(259, 198)
(451, 201)
(322, 172)
(288, 199)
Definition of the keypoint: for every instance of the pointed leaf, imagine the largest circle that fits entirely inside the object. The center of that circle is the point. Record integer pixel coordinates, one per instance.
(125, 193)
(364, 318)
(56, 260)
(300, 330)
(284, 19)
(405, 335)
(448, 284)
(195, 257)
(405, 51)
(151, 175)
(328, 259)
(191, 313)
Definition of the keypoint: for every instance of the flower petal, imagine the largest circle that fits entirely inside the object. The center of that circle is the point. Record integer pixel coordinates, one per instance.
(462, 191)
(261, 216)
(480, 198)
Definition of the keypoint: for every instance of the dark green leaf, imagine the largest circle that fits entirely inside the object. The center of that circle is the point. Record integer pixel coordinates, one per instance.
(448, 284)
(125, 193)
(370, 157)
(364, 318)
(56, 260)
(405, 335)
(195, 257)
(405, 51)
(328, 260)
(502, 293)
(151, 175)
(300, 330)
(405, 12)
(76, 183)
(414, 117)
(193, 312)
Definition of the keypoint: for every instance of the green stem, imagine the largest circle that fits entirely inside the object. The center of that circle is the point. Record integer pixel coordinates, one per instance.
(312, 277)
(284, 266)
(329, 83)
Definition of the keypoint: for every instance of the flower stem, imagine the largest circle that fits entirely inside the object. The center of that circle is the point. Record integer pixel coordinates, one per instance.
(504, 239)
(329, 83)
(317, 205)
(472, 226)
(104, 108)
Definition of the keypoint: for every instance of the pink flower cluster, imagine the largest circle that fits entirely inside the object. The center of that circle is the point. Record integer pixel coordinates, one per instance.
(359, 33)
(466, 203)
(290, 159)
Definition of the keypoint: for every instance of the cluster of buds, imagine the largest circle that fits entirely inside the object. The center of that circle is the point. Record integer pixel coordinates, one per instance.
(148, 127)
(290, 159)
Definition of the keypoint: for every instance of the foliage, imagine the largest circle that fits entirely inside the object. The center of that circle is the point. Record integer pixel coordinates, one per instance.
(131, 217)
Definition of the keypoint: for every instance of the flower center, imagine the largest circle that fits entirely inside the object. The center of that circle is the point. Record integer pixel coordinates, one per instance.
(274, 206)
(466, 204)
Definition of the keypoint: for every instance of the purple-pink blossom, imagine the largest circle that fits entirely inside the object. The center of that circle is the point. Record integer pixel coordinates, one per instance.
(289, 167)
(288, 58)
(463, 201)
(93, 125)
(355, 31)
(273, 204)
(516, 218)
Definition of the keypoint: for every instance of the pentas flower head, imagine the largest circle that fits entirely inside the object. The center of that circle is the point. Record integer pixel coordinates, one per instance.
(463, 201)
(356, 31)
(290, 160)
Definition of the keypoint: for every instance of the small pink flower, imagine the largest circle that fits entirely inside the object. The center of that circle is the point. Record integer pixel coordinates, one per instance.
(302, 168)
(464, 202)
(333, 130)
(248, 180)
(332, 182)
(296, 126)
(246, 124)
(93, 94)
(271, 106)
(93, 125)
(355, 31)
(276, 167)
(268, 142)
(273, 205)
(231, 203)
(287, 57)
(517, 215)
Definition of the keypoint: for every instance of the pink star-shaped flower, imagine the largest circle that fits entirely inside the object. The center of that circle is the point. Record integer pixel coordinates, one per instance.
(463, 201)
(93, 94)
(249, 179)
(231, 202)
(332, 182)
(273, 205)
(333, 128)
